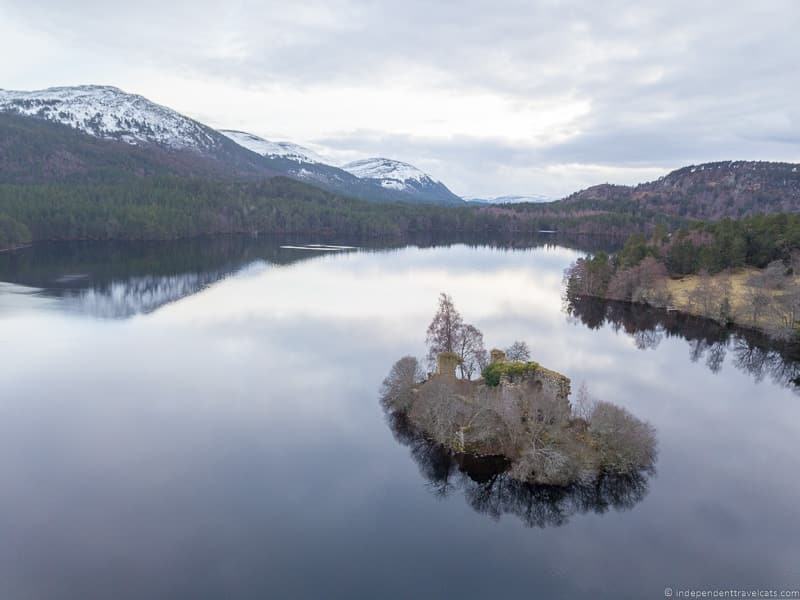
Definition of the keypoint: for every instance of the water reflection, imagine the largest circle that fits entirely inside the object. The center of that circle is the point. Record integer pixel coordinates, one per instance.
(118, 280)
(138, 295)
(489, 490)
(709, 342)
(122, 279)
(230, 444)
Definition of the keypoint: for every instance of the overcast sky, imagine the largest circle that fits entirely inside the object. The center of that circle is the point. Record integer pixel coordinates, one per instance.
(496, 97)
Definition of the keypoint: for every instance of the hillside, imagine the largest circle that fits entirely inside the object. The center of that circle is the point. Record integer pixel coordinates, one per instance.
(709, 191)
(270, 149)
(402, 177)
(303, 164)
(370, 179)
(169, 142)
(96, 162)
(108, 113)
(40, 151)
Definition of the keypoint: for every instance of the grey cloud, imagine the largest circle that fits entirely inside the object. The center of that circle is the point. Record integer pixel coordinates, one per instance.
(667, 83)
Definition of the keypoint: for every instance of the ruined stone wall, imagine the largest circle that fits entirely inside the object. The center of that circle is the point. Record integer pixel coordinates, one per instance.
(553, 383)
(489, 420)
(447, 363)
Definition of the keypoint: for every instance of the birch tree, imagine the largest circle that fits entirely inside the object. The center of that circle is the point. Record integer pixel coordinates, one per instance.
(444, 330)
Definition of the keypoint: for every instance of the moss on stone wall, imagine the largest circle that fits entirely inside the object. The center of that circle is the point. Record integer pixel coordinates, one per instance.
(494, 373)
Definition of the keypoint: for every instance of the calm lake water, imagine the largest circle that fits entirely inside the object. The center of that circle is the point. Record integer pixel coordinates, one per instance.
(201, 420)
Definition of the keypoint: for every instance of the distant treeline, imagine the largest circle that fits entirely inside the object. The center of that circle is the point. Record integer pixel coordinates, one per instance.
(619, 217)
(12, 233)
(169, 207)
(163, 207)
(172, 207)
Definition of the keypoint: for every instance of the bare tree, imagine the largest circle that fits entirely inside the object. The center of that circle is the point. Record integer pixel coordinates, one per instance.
(701, 297)
(624, 442)
(445, 329)
(448, 333)
(652, 288)
(757, 296)
(711, 298)
(397, 389)
(471, 351)
(518, 351)
(723, 291)
(794, 262)
(438, 410)
(644, 282)
(774, 275)
(623, 284)
(583, 405)
(786, 311)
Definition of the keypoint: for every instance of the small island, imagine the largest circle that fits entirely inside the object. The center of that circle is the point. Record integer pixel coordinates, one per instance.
(517, 410)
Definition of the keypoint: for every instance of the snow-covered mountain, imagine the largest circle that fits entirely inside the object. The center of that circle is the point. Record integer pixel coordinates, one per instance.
(402, 177)
(273, 149)
(396, 174)
(391, 175)
(108, 112)
(304, 164)
(373, 178)
(533, 198)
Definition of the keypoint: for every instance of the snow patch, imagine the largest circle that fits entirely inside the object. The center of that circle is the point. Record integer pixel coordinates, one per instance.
(286, 150)
(388, 170)
(108, 112)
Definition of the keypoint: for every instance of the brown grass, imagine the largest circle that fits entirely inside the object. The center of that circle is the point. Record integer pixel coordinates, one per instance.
(680, 289)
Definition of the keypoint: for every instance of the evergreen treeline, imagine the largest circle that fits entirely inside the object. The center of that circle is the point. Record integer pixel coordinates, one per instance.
(766, 298)
(12, 233)
(716, 246)
(174, 207)
(171, 207)
(699, 248)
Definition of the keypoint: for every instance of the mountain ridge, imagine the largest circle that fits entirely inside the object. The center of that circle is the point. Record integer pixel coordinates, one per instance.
(398, 181)
(36, 150)
(706, 191)
(265, 147)
(160, 140)
(109, 113)
(401, 176)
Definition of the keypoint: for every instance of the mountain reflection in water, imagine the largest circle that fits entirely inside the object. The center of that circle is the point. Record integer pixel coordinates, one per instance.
(231, 444)
(123, 279)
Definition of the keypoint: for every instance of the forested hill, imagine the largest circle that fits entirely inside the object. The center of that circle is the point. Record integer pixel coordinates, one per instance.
(38, 151)
(57, 182)
(111, 114)
(169, 207)
(709, 191)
